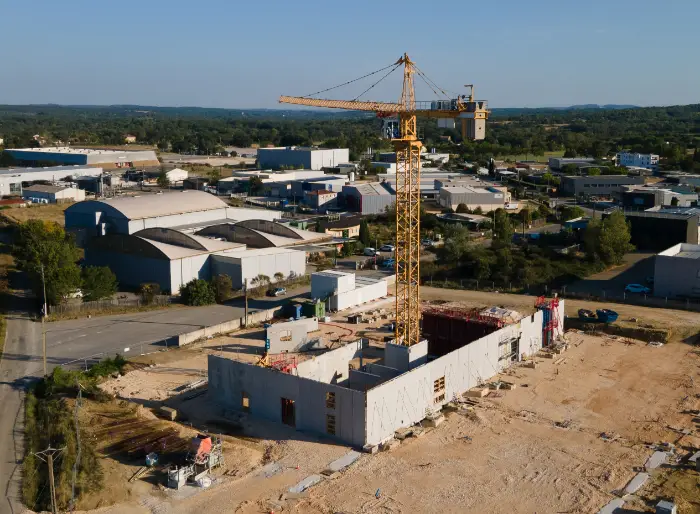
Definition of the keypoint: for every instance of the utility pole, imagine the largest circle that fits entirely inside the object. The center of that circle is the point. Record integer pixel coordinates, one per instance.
(43, 319)
(49, 453)
(245, 293)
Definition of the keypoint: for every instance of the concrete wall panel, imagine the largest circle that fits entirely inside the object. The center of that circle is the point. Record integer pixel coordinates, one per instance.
(298, 332)
(264, 388)
(330, 367)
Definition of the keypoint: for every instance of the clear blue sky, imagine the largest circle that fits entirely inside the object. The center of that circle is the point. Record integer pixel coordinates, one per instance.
(243, 53)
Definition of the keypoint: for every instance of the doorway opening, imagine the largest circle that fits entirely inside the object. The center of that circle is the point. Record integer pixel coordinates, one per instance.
(288, 417)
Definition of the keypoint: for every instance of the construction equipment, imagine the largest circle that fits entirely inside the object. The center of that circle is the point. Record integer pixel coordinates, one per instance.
(550, 319)
(408, 148)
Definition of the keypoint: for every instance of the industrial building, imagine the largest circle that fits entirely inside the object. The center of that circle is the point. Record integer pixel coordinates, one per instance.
(171, 238)
(557, 163)
(12, 179)
(601, 185)
(342, 290)
(483, 196)
(275, 183)
(657, 229)
(677, 272)
(647, 161)
(302, 157)
(345, 397)
(332, 183)
(63, 155)
(52, 194)
(369, 198)
(636, 197)
(321, 199)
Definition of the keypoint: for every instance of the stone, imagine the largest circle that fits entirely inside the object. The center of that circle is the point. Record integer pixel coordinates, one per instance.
(370, 448)
(305, 484)
(389, 445)
(434, 422)
(636, 483)
(479, 392)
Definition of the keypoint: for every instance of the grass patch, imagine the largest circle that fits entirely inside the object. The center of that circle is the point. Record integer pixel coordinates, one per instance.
(531, 157)
(49, 421)
(62, 316)
(46, 212)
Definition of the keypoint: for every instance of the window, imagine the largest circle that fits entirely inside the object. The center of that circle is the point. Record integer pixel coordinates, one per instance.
(330, 424)
(439, 385)
(245, 401)
(330, 400)
(440, 398)
(285, 335)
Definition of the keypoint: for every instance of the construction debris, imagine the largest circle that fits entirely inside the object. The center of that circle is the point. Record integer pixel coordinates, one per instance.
(636, 483)
(305, 484)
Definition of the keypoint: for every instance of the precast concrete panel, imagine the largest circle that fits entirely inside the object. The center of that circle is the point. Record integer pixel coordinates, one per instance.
(187, 269)
(264, 388)
(332, 366)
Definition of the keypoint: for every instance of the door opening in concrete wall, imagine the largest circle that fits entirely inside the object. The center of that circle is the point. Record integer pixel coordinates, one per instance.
(330, 424)
(514, 349)
(245, 401)
(288, 416)
(330, 400)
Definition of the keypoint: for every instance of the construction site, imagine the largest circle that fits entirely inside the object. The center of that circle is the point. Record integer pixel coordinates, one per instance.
(425, 400)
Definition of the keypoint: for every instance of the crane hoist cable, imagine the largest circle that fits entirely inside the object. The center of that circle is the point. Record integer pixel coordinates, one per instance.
(349, 81)
(377, 82)
(428, 79)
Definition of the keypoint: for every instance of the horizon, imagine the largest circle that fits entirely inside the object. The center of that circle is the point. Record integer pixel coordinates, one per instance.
(222, 55)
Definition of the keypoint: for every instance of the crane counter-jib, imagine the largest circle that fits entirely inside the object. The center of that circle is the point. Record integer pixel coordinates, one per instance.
(423, 109)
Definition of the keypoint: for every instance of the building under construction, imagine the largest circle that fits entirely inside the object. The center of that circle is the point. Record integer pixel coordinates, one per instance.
(346, 395)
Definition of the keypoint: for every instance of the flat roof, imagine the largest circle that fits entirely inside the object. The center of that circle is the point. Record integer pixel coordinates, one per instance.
(77, 151)
(40, 188)
(372, 189)
(689, 254)
(66, 169)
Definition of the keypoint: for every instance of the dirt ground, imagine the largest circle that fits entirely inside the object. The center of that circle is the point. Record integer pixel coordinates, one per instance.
(536, 448)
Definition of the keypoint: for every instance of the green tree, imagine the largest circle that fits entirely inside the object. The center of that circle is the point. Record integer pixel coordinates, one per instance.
(525, 216)
(365, 237)
(198, 292)
(569, 153)
(674, 201)
(348, 249)
(98, 282)
(569, 212)
(503, 228)
(42, 244)
(462, 208)
(570, 169)
(593, 172)
(609, 240)
(279, 276)
(255, 185)
(163, 180)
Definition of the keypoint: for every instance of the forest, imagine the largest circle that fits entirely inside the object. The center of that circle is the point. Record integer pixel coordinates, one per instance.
(673, 132)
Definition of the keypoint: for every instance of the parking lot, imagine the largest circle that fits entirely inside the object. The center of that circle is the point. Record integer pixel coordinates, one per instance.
(637, 269)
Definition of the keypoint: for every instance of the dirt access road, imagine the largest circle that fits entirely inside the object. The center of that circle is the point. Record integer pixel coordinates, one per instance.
(684, 324)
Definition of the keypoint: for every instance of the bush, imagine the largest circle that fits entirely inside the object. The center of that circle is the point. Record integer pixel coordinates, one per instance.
(148, 291)
(198, 292)
(98, 282)
(222, 287)
(463, 209)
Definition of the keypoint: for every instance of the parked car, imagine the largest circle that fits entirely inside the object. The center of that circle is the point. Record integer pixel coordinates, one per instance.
(387, 248)
(370, 252)
(389, 263)
(637, 288)
(426, 242)
(277, 291)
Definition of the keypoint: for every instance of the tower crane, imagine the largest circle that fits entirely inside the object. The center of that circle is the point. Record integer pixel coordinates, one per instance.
(473, 115)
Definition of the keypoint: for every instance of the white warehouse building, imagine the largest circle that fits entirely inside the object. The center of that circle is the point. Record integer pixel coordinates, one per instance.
(11, 179)
(172, 238)
(307, 158)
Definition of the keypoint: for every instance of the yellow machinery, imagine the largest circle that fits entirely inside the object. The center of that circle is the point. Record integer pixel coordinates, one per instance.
(473, 115)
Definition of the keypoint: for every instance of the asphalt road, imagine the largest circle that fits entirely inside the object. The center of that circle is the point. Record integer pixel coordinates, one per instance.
(20, 358)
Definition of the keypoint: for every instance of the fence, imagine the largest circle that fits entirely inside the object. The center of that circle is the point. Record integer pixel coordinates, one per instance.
(107, 304)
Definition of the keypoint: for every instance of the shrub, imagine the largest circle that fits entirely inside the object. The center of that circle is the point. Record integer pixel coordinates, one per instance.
(198, 292)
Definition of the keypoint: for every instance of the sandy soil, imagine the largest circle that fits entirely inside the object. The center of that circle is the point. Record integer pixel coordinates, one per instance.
(537, 448)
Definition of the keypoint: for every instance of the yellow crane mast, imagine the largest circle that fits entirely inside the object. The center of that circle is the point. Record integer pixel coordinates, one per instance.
(473, 115)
